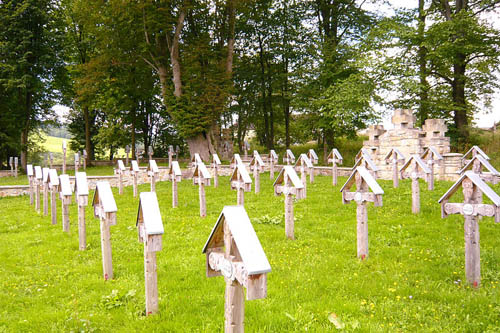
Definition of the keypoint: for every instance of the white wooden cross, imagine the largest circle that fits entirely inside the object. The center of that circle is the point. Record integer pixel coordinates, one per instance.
(105, 209)
(364, 182)
(31, 176)
(305, 163)
(150, 229)
(475, 150)
(431, 156)
(45, 182)
(289, 184)
(11, 164)
(64, 156)
(481, 166)
(16, 163)
(65, 193)
(215, 164)
(289, 158)
(38, 182)
(170, 154)
(273, 158)
(241, 182)
(53, 180)
(121, 171)
(201, 176)
(82, 199)
(135, 172)
(195, 160)
(175, 175)
(471, 209)
(312, 156)
(154, 173)
(257, 166)
(418, 170)
(77, 162)
(394, 156)
(363, 159)
(235, 161)
(233, 250)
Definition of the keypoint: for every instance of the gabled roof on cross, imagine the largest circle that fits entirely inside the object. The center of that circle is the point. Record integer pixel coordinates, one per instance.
(431, 151)
(476, 180)
(367, 177)
(419, 162)
(484, 162)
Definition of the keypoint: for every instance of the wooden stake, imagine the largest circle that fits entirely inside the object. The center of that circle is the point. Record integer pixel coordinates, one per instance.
(471, 235)
(82, 234)
(65, 215)
(234, 306)
(151, 279)
(203, 204)
(240, 196)
(362, 230)
(289, 223)
(37, 198)
(64, 161)
(256, 177)
(430, 183)
(271, 167)
(120, 185)
(216, 175)
(32, 199)
(303, 178)
(107, 260)
(135, 184)
(53, 205)
(334, 171)
(175, 201)
(395, 177)
(415, 195)
(311, 175)
(45, 199)
(153, 183)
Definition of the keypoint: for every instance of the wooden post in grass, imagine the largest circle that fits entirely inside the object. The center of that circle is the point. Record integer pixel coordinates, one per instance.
(175, 176)
(82, 199)
(311, 154)
(77, 162)
(11, 164)
(53, 180)
(150, 153)
(121, 171)
(170, 155)
(64, 156)
(432, 157)
(233, 250)
(38, 183)
(273, 158)
(241, 182)
(257, 166)
(31, 179)
(84, 152)
(394, 156)
(289, 184)
(45, 183)
(66, 194)
(335, 158)
(127, 152)
(303, 162)
(415, 168)
(471, 209)
(105, 209)
(154, 173)
(364, 182)
(215, 163)
(150, 229)
(135, 171)
(289, 158)
(201, 176)
(16, 164)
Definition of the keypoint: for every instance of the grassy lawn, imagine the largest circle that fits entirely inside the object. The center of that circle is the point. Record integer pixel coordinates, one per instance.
(413, 279)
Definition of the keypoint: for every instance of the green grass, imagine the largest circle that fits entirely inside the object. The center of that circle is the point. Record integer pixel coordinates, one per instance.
(413, 279)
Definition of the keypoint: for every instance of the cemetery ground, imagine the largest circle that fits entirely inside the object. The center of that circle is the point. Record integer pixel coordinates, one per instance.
(413, 279)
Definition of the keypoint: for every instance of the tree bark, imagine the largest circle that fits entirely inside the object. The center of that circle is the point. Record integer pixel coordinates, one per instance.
(423, 112)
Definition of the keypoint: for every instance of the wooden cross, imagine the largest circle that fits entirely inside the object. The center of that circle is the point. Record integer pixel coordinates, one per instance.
(53, 180)
(121, 171)
(233, 250)
(418, 170)
(82, 199)
(153, 172)
(475, 150)
(478, 164)
(16, 163)
(215, 163)
(38, 182)
(201, 176)
(394, 156)
(235, 161)
(363, 159)
(175, 176)
(77, 162)
(84, 152)
(289, 184)
(105, 209)
(150, 153)
(31, 180)
(257, 166)
(11, 163)
(170, 154)
(432, 156)
(273, 158)
(241, 182)
(471, 209)
(312, 156)
(45, 182)
(135, 172)
(65, 193)
(289, 158)
(64, 156)
(364, 182)
(150, 229)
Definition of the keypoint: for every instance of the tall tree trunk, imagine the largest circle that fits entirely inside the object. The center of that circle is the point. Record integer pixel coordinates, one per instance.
(423, 112)
(459, 103)
(263, 89)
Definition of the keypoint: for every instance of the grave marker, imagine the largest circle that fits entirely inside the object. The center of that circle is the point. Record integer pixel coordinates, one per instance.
(362, 152)
(273, 158)
(289, 184)
(16, 163)
(175, 175)
(135, 171)
(82, 198)
(364, 182)
(257, 166)
(38, 182)
(64, 156)
(65, 193)
(289, 158)
(121, 171)
(154, 173)
(201, 176)
(53, 180)
(150, 152)
(195, 160)
(31, 179)
(235, 161)
(303, 162)
(478, 164)
(241, 182)
(431, 156)
(394, 156)
(11, 164)
(418, 170)
(471, 209)
(84, 152)
(150, 229)
(233, 250)
(311, 154)
(335, 158)
(45, 182)
(215, 163)
(475, 150)
(105, 209)
(77, 162)
(170, 154)
(366, 161)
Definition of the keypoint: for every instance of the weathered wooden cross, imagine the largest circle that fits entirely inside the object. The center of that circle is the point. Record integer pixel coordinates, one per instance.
(478, 164)
(77, 162)
(11, 164)
(53, 180)
(150, 153)
(363, 159)
(45, 182)
(150, 229)
(215, 164)
(289, 184)
(84, 153)
(64, 156)
(471, 209)
(304, 163)
(154, 173)
(364, 182)
(475, 150)
(105, 209)
(175, 175)
(16, 163)
(121, 171)
(431, 156)
(233, 250)
(394, 156)
(241, 182)
(38, 183)
(273, 158)
(65, 193)
(201, 176)
(31, 180)
(257, 166)
(418, 170)
(170, 154)
(289, 158)
(135, 172)
(82, 199)
(235, 160)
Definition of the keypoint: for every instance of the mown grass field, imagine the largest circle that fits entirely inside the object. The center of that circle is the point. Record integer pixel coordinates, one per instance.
(413, 279)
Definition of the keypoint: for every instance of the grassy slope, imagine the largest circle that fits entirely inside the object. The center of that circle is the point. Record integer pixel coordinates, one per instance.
(411, 281)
